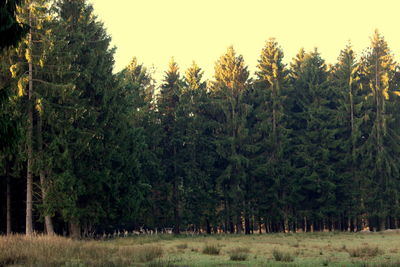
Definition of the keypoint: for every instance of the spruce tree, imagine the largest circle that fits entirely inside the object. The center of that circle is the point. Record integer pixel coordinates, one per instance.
(228, 92)
(270, 135)
(313, 139)
(380, 148)
(168, 105)
(345, 79)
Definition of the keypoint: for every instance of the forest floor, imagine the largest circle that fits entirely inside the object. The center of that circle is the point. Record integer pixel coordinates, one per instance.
(300, 249)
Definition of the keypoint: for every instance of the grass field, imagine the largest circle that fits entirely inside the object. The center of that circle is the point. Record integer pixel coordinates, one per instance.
(301, 249)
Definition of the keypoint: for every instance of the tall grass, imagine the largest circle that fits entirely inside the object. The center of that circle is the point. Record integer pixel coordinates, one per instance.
(59, 251)
(211, 249)
(239, 254)
(365, 251)
(280, 255)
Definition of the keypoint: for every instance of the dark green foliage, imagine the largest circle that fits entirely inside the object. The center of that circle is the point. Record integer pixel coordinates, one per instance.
(311, 147)
(270, 169)
(11, 32)
(313, 139)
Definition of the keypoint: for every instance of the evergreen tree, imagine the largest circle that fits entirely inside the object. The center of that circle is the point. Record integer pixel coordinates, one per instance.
(228, 90)
(30, 54)
(80, 171)
(135, 164)
(168, 105)
(381, 145)
(270, 135)
(197, 152)
(345, 79)
(313, 139)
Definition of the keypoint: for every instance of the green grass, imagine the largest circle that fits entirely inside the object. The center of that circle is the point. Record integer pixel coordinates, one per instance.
(300, 249)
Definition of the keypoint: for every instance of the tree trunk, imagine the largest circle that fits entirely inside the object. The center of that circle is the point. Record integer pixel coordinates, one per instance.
(286, 223)
(247, 225)
(8, 205)
(176, 229)
(47, 219)
(75, 230)
(29, 177)
(208, 226)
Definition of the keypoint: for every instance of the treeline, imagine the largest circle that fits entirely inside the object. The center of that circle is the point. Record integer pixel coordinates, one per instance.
(308, 146)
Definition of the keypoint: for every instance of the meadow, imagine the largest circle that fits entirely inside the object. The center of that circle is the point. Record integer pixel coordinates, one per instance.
(292, 249)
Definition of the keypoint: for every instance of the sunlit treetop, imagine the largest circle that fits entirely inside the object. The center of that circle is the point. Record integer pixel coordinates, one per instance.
(231, 72)
(193, 76)
(270, 66)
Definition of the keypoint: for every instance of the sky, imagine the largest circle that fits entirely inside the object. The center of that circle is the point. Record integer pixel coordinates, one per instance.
(201, 30)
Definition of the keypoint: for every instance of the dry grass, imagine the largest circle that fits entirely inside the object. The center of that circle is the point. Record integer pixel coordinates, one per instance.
(239, 254)
(365, 251)
(301, 249)
(280, 255)
(182, 246)
(211, 249)
(58, 251)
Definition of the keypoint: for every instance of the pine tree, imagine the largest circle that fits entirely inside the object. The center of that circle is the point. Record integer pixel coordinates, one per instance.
(271, 136)
(197, 152)
(168, 105)
(313, 139)
(80, 162)
(381, 140)
(345, 77)
(228, 91)
(33, 15)
(135, 165)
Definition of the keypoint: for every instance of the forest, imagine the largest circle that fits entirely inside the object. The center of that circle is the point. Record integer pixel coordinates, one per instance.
(305, 146)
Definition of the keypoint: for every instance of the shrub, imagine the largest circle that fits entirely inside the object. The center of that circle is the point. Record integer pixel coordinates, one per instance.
(211, 249)
(239, 254)
(364, 251)
(280, 255)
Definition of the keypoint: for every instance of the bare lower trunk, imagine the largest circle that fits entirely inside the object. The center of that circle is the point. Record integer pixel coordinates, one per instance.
(74, 230)
(239, 223)
(8, 206)
(286, 224)
(47, 219)
(382, 224)
(208, 226)
(176, 198)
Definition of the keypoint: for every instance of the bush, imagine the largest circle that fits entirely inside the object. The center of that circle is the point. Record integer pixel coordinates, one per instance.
(211, 249)
(239, 254)
(364, 251)
(280, 255)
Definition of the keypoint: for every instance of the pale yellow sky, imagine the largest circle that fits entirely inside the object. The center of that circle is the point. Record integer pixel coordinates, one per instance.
(201, 30)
